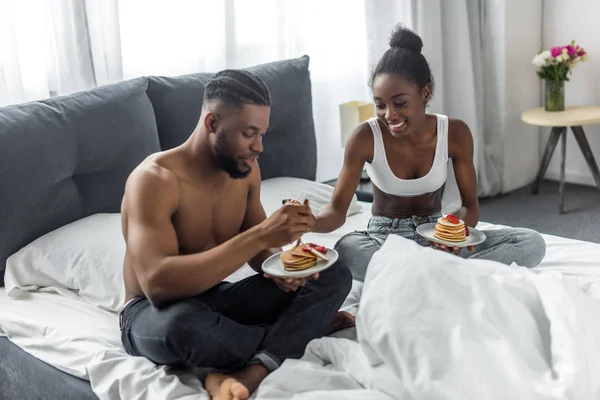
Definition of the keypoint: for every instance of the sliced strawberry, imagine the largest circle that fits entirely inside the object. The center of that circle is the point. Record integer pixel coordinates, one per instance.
(452, 219)
(320, 255)
(313, 244)
(306, 248)
(321, 249)
(466, 230)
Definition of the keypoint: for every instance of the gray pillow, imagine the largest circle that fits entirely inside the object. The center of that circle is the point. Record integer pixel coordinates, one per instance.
(177, 102)
(290, 147)
(68, 157)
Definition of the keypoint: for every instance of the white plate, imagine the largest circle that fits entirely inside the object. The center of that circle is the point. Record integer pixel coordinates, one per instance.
(475, 237)
(274, 267)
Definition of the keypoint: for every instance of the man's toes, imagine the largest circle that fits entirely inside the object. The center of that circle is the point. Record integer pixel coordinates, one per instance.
(239, 391)
(231, 389)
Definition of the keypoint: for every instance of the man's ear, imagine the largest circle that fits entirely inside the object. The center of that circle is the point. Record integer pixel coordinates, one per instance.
(210, 122)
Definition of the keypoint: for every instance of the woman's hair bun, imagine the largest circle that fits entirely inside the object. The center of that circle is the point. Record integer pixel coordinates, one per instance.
(404, 38)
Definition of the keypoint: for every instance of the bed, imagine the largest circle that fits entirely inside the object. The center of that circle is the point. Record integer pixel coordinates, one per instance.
(64, 163)
(66, 342)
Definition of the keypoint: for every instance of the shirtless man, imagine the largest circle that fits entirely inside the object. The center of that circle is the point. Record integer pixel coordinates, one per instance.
(191, 216)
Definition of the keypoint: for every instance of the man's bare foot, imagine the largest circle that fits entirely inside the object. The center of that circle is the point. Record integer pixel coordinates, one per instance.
(238, 386)
(342, 320)
(224, 387)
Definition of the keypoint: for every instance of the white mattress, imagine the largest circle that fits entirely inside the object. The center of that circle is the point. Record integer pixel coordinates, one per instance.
(84, 341)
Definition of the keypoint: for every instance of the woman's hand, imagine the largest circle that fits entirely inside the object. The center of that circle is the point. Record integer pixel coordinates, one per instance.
(448, 249)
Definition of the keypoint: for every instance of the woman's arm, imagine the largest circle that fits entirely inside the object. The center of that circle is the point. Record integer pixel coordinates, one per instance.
(357, 152)
(460, 149)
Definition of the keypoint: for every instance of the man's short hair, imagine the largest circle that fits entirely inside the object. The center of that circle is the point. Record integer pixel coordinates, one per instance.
(237, 87)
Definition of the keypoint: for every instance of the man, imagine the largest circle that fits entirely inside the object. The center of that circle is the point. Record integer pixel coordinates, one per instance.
(191, 216)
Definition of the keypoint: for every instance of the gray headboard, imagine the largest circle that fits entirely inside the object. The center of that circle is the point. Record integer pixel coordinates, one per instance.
(65, 158)
(290, 147)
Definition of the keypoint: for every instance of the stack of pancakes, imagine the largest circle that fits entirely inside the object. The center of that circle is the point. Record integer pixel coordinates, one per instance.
(297, 259)
(450, 231)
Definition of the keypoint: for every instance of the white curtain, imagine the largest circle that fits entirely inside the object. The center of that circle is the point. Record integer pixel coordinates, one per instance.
(451, 34)
(42, 50)
(86, 43)
(52, 47)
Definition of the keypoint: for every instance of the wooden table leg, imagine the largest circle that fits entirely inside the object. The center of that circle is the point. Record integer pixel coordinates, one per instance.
(587, 152)
(563, 156)
(550, 146)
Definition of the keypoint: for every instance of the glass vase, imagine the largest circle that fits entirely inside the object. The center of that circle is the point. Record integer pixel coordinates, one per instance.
(555, 96)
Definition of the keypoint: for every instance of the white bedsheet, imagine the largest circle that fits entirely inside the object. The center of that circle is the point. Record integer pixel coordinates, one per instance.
(84, 341)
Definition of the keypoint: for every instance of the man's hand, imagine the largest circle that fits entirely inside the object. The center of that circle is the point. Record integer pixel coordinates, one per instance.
(455, 250)
(291, 284)
(311, 216)
(287, 224)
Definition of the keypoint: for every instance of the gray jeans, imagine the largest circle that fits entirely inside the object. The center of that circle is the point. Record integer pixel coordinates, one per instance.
(524, 247)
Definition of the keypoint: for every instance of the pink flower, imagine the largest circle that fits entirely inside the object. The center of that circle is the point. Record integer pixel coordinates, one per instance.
(568, 55)
(556, 51)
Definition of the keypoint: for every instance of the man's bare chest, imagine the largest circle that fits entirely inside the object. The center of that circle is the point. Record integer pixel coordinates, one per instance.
(205, 218)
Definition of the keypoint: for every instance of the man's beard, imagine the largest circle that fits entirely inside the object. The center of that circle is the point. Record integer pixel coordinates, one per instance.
(226, 161)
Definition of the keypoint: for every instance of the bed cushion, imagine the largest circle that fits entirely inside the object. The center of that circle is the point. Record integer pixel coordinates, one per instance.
(177, 104)
(83, 259)
(65, 158)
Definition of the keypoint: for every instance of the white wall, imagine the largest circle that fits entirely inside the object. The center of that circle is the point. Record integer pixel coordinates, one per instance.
(565, 20)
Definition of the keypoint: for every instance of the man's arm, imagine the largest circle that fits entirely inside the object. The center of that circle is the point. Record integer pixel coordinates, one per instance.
(151, 198)
(255, 214)
(461, 151)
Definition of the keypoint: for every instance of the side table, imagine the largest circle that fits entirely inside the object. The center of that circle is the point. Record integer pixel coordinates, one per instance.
(575, 118)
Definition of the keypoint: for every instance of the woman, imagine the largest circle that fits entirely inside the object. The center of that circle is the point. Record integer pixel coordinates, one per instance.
(406, 152)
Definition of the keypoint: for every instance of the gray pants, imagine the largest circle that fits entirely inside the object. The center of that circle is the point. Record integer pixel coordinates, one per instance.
(235, 324)
(524, 247)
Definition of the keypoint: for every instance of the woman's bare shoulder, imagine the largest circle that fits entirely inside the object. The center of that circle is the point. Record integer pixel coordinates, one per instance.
(460, 138)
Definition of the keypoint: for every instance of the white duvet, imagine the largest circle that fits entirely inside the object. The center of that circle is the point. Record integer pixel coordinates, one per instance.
(434, 326)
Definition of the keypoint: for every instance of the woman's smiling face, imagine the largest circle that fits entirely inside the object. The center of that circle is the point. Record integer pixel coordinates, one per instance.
(399, 103)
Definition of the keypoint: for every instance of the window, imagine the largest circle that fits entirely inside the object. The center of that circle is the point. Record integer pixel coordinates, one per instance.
(170, 38)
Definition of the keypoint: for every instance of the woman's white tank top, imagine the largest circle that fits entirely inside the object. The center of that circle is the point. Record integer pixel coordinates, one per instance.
(382, 176)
